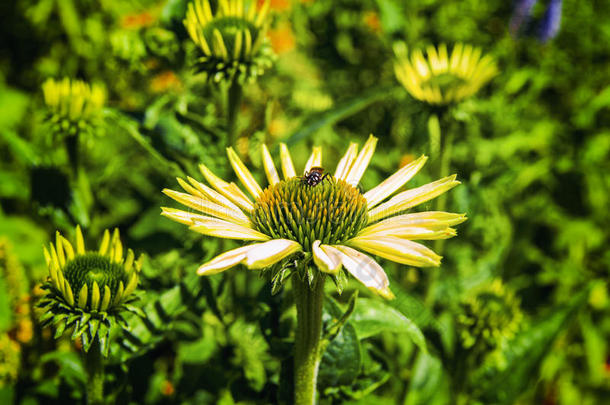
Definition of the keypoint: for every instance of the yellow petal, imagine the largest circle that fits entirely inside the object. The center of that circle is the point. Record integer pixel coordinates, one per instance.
(128, 265)
(265, 254)
(68, 295)
(223, 229)
(95, 296)
(106, 299)
(60, 250)
(398, 250)
(224, 261)
(244, 174)
(82, 296)
(214, 196)
(272, 176)
(394, 182)
(80, 241)
(364, 269)
(131, 285)
(117, 247)
(410, 198)
(430, 220)
(208, 207)
(287, 166)
(346, 161)
(315, 160)
(362, 161)
(105, 243)
(327, 260)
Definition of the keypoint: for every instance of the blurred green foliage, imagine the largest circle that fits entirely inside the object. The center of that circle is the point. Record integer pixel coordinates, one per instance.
(532, 150)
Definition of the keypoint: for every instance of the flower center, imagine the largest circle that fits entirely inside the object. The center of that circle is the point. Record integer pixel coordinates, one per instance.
(90, 267)
(331, 211)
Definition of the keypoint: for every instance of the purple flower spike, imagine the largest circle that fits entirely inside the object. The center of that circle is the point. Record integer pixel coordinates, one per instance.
(551, 21)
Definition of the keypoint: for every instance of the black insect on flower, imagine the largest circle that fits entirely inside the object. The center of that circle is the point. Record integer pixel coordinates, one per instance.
(315, 176)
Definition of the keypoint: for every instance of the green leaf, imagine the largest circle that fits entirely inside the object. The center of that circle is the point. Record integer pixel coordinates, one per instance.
(342, 359)
(429, 384)
(340, 112)
(523, 355)
(373, 316)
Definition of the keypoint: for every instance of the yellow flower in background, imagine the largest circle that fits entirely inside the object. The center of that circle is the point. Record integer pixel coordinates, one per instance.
(327, 223)
(88, 290)
(438, 78)
(73, 99)
(231, 38)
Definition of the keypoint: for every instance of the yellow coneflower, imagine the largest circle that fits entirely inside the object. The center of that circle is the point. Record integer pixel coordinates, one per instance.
(322, 223)
(231, 38)
(88, 290)
(438, 78)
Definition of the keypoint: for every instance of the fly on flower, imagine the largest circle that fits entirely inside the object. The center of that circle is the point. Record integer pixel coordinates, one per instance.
(325, 228)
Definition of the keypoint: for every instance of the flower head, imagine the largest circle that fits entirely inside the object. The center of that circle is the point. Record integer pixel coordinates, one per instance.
(490, 316)
(74, 105)
(326, 224)
(439, 78)
(89, 290)
(231, 38)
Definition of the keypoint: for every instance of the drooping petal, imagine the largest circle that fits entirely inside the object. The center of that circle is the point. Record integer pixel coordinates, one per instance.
(398, 250)
(430, 220)
(394, 182)
(362, 161)
(315, 160)
(287, 166)
(224, 261)
(410, 198)
(346, 161)
(208, 207)
(327, 260)
(223, 229)
(265, 254)
(272, 176)
(244, 174)
(229, 190)
(364, 269)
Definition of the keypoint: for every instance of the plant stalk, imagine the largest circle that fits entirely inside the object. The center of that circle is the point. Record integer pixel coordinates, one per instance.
(233, 106)
(309, 302)
(95, 374)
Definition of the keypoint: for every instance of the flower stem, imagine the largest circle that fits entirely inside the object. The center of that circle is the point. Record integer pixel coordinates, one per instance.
(95, 374)
(309, 301)
(444, 166)
(233, 105)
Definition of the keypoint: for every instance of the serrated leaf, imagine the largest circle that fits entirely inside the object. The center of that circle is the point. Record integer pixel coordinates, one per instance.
(373, 316)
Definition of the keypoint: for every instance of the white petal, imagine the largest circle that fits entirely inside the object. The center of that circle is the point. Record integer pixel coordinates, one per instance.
(410, 198)
(362, 162)
(315, 160)
(208, 207)
(430, 220)
(229, 190)
(223, 229)
(364, 269)
(272, 176)
(394, 182)
(346, 161)
(327, 260)
(224, 261)
(398, 250)
(287, 166)
(268, 253)
(244, 174)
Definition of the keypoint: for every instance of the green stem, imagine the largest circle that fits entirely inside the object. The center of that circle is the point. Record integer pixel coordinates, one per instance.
(95, 374)
(233, 105)
(444, 166)
(309, 301)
